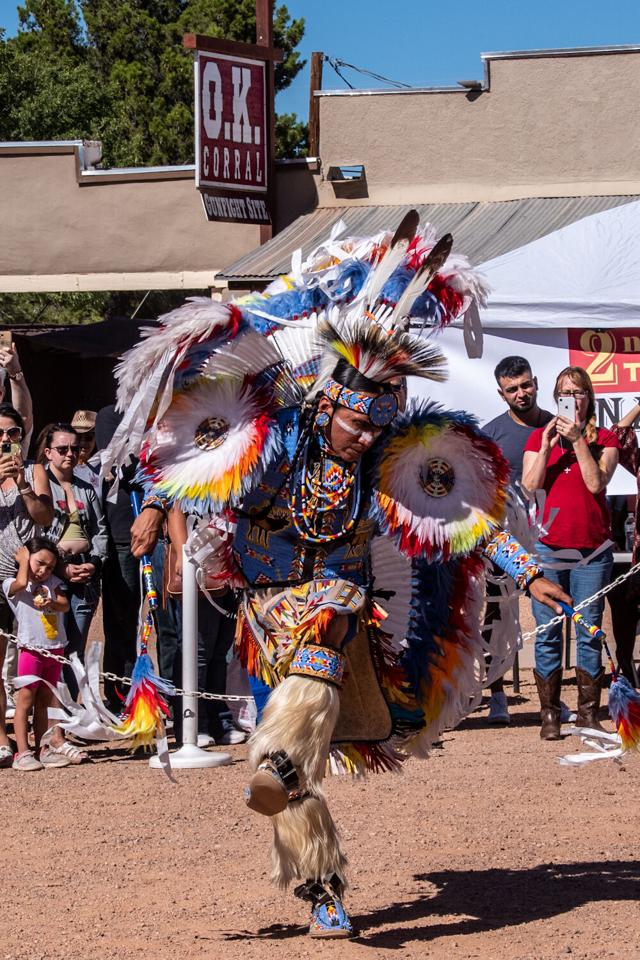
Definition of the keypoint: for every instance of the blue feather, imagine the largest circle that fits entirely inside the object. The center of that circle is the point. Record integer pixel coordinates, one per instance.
(287, 305)
(432, 587)
(197, 355)
(397, 284)
(350, 278)
(621, 697)
(427, 307)
(143, 671)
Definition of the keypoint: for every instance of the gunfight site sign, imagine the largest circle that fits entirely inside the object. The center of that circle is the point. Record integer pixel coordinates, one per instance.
(232, 137)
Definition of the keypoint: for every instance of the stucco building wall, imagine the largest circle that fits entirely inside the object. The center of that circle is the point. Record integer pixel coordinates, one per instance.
(65, 227)
(542, 125)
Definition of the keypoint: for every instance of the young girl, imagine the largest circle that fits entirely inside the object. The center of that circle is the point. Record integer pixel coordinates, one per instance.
(38, 603)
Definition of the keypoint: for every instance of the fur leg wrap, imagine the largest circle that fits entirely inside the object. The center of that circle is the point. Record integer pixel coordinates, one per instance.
(299, 719)
(306, 843)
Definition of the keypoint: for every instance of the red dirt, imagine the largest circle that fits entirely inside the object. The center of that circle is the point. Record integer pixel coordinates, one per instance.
(487, 850)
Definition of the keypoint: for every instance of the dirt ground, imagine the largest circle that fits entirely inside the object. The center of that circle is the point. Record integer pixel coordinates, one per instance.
(489, 849)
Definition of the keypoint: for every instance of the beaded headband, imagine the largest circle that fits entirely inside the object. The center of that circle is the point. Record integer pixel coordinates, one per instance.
(380, 410)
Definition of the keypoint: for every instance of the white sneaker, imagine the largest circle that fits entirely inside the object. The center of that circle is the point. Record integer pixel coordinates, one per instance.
(566, 713)
(26, 761)
(231, 737)
(204, 740)
(498, 710)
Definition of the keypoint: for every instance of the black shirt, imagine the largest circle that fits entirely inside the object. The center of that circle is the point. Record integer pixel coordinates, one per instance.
(119, 514)
(511, 437)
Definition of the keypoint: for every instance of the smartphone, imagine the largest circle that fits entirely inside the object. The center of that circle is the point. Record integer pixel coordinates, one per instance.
(5, 448)
(567, 407)
(6, 339)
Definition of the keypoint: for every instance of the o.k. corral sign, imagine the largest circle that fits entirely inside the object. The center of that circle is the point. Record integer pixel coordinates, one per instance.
(233, 124)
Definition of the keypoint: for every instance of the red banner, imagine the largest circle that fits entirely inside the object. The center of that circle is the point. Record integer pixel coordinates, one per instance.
(610, 357)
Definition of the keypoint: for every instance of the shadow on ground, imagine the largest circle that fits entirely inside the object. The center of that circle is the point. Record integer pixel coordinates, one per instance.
(495, 899)
(476, 901)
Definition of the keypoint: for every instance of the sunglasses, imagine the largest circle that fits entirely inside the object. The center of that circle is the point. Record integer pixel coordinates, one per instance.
(68, 448)
(13, 433)
(87, 435)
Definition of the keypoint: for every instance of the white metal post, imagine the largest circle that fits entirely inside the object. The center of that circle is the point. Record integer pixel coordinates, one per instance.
(190, 754)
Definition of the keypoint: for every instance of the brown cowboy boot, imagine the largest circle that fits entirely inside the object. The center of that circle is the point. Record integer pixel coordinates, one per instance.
(549, 693)
(589, 692)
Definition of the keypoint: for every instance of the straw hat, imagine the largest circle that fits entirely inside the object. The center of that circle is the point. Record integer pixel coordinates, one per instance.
(84, 420)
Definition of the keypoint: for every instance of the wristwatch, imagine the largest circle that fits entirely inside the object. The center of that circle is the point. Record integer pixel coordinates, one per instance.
(16, 376)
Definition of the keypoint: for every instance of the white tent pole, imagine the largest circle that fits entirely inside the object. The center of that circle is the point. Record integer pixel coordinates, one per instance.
(189, 650)
(190, 754)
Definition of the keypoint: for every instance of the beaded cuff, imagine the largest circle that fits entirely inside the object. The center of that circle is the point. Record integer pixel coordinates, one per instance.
(513, 559)
(320, 663)
(156, 502)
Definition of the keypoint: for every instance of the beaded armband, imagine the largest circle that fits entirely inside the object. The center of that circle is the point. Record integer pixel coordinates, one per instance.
(157, 503)
(319, 663)
(513, 559)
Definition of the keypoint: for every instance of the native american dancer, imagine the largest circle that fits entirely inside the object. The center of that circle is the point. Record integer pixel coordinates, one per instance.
(352, 523)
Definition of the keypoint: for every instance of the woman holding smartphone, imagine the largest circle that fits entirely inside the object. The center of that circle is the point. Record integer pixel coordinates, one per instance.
(25, 504)
(572, 460)
(79, 531)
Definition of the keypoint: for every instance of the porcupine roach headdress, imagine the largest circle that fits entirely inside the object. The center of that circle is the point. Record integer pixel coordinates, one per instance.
(373, 290)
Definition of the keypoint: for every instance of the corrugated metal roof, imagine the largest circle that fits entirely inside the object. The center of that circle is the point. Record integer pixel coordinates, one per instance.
(481, 230)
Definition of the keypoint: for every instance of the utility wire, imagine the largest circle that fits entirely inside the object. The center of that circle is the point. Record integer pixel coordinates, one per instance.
(333, 63)
(336, 63)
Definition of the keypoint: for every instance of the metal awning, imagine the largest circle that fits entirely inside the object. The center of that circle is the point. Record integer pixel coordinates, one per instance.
(481, 230)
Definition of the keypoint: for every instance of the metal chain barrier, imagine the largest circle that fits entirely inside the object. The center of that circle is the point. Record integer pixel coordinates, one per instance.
(126, 681)
(584, 603)
(202, 695)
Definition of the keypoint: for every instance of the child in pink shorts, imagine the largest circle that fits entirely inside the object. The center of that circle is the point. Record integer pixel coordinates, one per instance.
(38, 603)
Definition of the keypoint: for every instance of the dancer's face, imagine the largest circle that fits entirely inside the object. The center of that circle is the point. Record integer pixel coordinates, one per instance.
(350, 434)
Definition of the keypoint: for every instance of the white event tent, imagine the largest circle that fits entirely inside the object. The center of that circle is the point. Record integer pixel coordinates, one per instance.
(571, 297)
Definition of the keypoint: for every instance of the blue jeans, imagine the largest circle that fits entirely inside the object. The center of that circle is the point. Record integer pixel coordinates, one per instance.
(580, 583)
(83, 601)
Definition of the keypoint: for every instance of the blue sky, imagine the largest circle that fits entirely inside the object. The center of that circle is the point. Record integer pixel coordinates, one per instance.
(427, 43)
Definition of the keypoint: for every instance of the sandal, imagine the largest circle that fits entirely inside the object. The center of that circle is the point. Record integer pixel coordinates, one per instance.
(73, 754)
(6, 755)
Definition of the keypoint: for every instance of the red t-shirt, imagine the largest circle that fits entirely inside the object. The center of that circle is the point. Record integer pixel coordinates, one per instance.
(583, 518)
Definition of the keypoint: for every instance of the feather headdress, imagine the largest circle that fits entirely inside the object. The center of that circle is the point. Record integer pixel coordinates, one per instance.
(380, 354)
(200, 394)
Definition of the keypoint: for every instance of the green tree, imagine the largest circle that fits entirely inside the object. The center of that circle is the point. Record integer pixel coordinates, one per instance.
(116, 71)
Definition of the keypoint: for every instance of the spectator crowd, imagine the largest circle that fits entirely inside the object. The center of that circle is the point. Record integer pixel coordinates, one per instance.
(65, 545)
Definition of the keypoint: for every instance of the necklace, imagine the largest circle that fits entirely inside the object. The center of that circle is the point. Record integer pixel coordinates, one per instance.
(326, 487)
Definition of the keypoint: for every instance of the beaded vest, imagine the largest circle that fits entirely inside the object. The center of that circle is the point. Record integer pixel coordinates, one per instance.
(306, 520)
